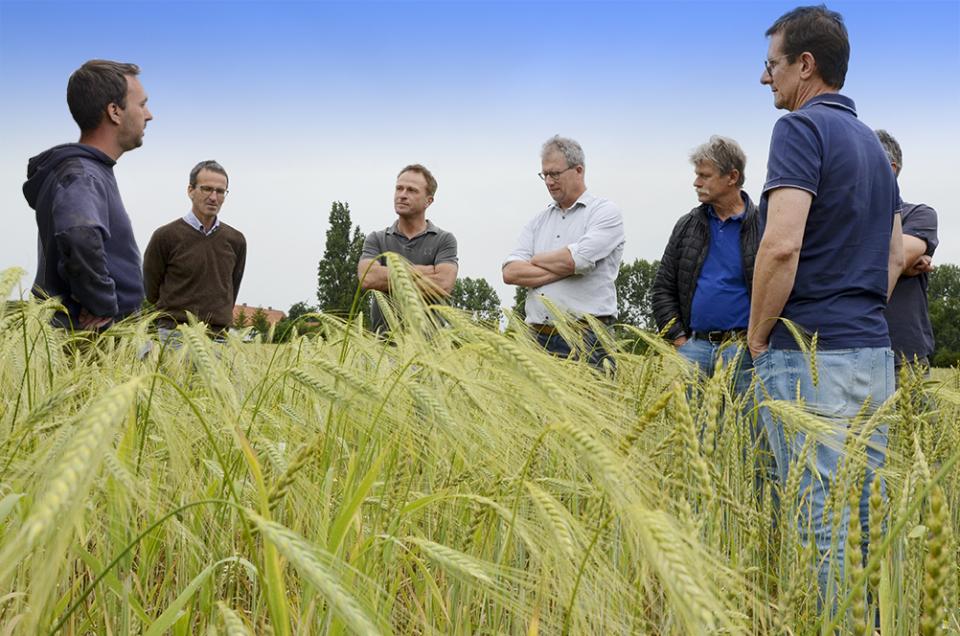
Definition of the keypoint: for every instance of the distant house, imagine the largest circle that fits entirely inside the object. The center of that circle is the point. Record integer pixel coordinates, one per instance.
(247, 311)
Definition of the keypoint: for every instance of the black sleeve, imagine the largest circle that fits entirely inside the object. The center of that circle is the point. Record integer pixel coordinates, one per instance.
(666, 296)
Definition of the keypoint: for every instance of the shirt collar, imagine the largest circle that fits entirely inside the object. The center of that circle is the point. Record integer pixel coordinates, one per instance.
(736, 217)
(584, 200)
(191, 219)
(431, 229)
(832, 99)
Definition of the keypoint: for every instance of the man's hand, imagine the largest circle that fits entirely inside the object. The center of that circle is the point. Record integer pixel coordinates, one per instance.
(756, 348)
(679, 342)
(923, 265)
(373, 275)
(90, 322)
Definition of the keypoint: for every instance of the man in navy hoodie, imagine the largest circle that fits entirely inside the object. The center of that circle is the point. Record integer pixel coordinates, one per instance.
(87, 255)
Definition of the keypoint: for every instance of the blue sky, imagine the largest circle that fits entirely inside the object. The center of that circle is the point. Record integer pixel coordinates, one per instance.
(305, 103)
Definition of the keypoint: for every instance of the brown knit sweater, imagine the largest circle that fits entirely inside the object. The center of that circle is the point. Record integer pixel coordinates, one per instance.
(183, 270)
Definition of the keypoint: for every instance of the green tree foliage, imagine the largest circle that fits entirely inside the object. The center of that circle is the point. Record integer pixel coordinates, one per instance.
(300, 309)
(477, 296)
(259, 321)
(284, 328)
(241, 319)
(943, 295)
(337, 272)
(634, 285)
(520, 301)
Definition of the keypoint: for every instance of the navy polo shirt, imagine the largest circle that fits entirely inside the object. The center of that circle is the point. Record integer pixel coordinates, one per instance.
(721, 300)
(840, 288)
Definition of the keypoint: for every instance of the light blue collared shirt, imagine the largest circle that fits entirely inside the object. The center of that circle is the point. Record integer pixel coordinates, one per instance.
(191, 219)
(592, 229)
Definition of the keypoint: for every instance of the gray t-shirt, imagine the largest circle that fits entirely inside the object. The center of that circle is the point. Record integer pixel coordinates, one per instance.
(431, 247)
(907, 314)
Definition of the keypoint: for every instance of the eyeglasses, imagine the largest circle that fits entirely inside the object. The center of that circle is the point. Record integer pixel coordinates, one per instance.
(208, 190)
(553, 175)
(769, 65)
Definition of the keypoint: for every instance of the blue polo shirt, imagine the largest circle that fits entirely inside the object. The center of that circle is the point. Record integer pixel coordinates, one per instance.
(840, 288)
(721, 300)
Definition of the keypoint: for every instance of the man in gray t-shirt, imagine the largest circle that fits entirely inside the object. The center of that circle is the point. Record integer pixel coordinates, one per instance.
(430, 250)
(907, 313)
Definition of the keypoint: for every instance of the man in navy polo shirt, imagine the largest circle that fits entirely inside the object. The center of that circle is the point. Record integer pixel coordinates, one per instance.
(702, 289)
(830, 254)
(908, 317)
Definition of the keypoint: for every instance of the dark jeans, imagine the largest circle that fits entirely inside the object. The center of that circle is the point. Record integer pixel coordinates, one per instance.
(595, 353)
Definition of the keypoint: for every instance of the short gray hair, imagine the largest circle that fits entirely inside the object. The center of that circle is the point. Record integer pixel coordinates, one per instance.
(725, 154)
(892, 148)
(210, 165)
(571, 150)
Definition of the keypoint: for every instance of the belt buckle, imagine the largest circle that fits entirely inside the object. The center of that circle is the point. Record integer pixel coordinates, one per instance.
(716, 337)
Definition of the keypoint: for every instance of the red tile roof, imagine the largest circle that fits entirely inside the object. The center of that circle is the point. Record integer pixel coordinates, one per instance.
(273, 315)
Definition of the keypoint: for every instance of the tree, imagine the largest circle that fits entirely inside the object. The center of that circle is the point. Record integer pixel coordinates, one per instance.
(260, 322)
(300, 309)
(478, 297)
(943, 296)
(241, 320)
(337, 272)
(283, 330)
(520, 301)
(634, 301)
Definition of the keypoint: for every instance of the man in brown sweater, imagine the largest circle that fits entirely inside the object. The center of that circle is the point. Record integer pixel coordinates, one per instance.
(195, 264)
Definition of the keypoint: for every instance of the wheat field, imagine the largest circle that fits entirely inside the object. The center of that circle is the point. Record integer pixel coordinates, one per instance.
(457, 480)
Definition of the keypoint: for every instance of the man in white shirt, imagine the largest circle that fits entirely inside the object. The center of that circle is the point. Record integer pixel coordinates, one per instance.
(570, 254)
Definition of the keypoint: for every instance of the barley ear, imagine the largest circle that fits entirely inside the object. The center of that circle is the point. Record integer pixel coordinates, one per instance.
(937, 566)
(232, 621)
(317, 566)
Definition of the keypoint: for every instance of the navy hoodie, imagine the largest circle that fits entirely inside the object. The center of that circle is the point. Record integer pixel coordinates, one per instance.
(87, 254)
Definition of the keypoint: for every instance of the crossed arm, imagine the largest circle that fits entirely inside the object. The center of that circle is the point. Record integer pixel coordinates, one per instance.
(441, 276)
(541, 269)
(915, 257)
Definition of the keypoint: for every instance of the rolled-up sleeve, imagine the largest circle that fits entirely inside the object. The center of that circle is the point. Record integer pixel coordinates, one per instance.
(604, 233)
(523, 251)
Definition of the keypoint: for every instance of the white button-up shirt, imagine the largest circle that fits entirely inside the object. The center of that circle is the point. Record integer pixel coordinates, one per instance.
(592, 229)
(192, 220)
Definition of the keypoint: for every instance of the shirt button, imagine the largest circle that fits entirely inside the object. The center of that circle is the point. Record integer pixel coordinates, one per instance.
(558, 236)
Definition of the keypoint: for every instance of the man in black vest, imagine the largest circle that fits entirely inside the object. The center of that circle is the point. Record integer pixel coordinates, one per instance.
(702, 289)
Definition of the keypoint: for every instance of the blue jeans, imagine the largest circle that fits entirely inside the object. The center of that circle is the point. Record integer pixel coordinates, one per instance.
(704, 354)
(596, 354)
(847, 379)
